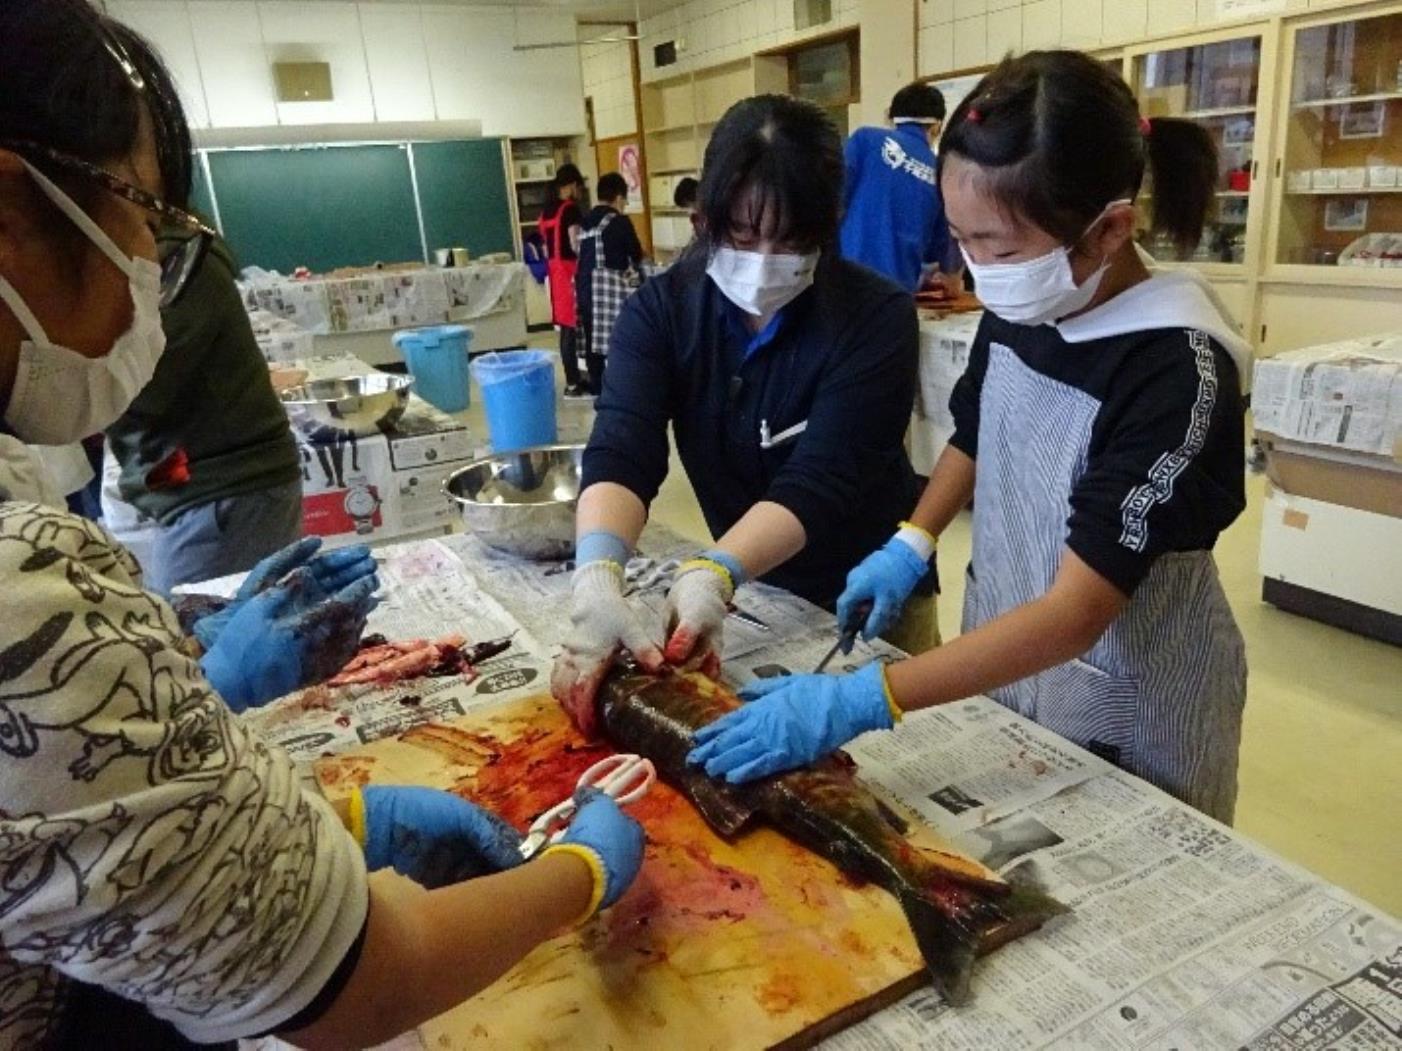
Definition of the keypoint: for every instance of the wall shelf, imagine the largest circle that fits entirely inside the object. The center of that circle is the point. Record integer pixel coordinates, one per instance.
(1363, 191)
(1351, 100)
(1219, 112)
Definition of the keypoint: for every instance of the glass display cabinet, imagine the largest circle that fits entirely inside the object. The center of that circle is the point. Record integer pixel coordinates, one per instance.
(1217, 84)
(1340, 168)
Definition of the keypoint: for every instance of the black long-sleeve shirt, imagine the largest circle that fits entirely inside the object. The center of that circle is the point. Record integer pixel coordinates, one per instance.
(842, 358)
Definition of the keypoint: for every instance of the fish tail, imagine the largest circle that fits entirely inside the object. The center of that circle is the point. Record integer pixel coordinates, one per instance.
(1026, 908)
(948, 946)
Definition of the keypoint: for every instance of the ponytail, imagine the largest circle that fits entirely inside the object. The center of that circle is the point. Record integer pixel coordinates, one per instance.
(1183, 173)
(1058, 136)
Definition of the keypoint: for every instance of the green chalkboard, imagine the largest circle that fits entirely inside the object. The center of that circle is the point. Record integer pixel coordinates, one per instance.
(319, 207)
(462, 187)
(201, 201)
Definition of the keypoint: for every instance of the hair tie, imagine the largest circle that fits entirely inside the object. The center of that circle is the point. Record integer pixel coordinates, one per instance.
(1145, 127)
(974, 115)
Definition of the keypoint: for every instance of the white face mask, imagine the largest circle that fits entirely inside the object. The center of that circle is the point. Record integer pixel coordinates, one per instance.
(1037, 291)
(61, 396)
(759, 283)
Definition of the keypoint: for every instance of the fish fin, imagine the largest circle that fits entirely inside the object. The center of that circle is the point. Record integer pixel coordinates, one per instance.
(1025, 909)
(948, 947)
(716, 802)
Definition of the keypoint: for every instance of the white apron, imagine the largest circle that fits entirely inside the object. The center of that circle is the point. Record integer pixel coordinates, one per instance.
(1161, 693)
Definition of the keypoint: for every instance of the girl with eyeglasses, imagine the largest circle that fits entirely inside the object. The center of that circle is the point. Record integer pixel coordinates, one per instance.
(168, 879)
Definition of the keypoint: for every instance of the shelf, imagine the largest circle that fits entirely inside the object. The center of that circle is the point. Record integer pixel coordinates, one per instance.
(1380, 96)
(665, 128)
(523, 225)
(1364, 191)
(533, 182)
(1219, 112)
(675, 171)
(669, 210)
(1232, 193)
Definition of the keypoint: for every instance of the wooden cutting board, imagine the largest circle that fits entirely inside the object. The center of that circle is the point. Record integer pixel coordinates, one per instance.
(750, 944)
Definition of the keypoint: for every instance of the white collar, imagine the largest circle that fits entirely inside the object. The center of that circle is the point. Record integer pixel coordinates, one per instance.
(24, 475)
(1176, 298)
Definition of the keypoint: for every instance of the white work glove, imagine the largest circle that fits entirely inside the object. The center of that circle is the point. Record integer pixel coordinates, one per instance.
(602, 624)
(696, 610)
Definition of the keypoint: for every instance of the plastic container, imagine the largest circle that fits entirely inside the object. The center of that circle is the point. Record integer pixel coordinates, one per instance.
(437, 359)
(518, 393)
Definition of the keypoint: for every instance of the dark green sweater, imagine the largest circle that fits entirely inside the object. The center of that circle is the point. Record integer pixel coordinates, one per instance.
(210, 400)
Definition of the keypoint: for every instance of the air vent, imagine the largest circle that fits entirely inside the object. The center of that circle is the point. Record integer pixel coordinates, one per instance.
(303, 81)
(664, 54)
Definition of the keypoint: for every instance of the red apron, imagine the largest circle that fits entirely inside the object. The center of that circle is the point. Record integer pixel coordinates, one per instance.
(561, 270)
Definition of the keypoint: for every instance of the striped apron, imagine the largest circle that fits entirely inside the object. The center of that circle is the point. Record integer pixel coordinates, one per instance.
(1161, 693)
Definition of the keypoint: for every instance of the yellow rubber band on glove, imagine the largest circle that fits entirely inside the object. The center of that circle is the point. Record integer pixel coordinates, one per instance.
(715, 567)
(596, 870)
(897, 713)
(357, 817)
(934, 540)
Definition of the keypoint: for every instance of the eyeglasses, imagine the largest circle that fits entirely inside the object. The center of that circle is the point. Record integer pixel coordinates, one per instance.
(179, 265)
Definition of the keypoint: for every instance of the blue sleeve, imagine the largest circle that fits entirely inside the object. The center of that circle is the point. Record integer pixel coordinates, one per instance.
(628, 445)
(852, 155)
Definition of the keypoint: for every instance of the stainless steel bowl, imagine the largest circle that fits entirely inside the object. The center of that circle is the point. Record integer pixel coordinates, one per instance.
(521, 502)
(357, 405)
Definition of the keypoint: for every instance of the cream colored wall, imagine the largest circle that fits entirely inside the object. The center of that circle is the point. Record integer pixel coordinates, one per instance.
(713, 32)
(608, 80)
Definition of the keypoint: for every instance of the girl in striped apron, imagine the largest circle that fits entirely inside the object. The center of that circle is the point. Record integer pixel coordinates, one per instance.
(1099, 431)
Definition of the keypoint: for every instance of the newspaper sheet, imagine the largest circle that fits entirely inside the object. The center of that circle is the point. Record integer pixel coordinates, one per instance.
(388, 299)
(1182, 935)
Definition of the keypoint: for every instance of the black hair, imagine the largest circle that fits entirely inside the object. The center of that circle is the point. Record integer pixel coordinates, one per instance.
(918, 101)
(611, 187)
(64, 87)
(789, 151)
(1059, 137)
(684, 196)
(568, 175)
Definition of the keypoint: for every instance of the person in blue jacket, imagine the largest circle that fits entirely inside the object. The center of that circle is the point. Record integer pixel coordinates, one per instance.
(893, 216)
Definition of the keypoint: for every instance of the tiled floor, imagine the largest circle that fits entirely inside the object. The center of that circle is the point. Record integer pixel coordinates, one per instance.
(1321, 762)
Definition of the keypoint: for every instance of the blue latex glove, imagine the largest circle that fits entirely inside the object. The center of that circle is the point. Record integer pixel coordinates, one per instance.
(608, 841)
(885, 578)
(278, 642)
(433, 837)
(330, 572)
(793, 721)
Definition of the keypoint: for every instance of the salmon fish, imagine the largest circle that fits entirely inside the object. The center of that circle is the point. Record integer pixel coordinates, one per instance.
(956, 908)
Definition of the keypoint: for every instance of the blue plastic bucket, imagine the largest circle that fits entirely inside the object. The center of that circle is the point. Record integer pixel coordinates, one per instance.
(518, 393)
(437, 359)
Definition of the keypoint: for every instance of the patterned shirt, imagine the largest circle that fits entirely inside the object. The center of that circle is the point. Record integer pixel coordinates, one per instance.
(149, 843)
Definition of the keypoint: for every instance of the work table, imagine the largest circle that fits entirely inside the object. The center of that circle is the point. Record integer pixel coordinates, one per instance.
(1183, 933)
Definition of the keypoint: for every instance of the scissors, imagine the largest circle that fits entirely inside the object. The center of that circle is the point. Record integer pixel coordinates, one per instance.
(644, 574)
(846, 639)
(624, 778)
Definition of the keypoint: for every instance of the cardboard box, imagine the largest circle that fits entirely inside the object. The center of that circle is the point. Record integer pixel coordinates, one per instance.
(1333, 563)
(387, 486)
(1354, 480)
(384, 487)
